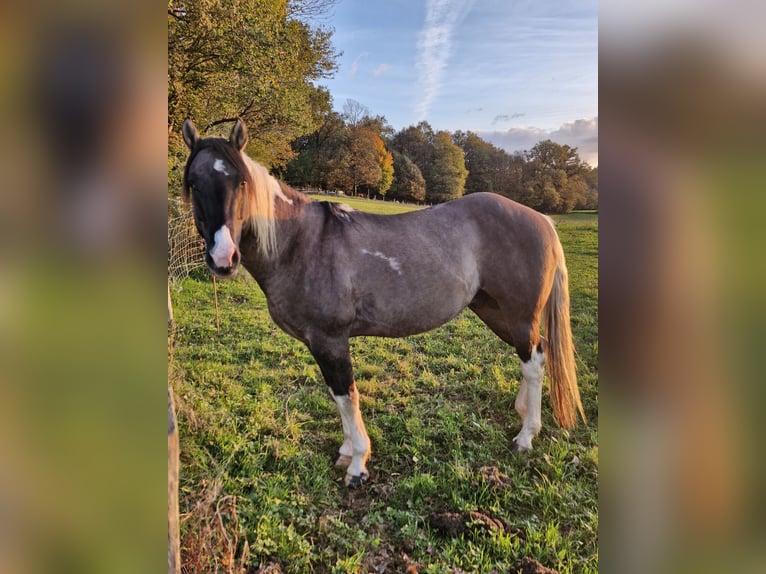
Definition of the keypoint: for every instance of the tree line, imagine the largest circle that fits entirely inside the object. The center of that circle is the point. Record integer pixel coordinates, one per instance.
(261, 60)
(361, 154)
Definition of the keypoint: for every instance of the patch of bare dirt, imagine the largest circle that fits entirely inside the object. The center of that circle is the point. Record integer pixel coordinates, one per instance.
(495, 478)
(386, 558)
(531, 566)
(457, 523)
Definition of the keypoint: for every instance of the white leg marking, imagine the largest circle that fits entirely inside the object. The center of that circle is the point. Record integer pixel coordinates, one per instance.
(532, 371)
(223, 247)
(348, 405)
(346, 450)
(521, 399)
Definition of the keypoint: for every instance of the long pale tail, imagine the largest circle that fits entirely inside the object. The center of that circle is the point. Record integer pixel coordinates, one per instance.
(565, 395)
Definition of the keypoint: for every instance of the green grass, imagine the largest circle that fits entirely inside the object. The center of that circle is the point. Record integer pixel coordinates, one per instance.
(369, 205)
(260, 433)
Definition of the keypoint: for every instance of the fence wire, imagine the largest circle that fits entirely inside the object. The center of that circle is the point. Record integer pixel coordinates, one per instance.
(186, 249)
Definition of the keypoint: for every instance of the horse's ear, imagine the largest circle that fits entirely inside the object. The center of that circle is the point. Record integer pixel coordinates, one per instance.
(191, 135)
(238, 137)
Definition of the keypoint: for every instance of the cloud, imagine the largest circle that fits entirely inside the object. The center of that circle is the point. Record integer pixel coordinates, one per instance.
(355, 64)
(381, 69)
(434, 47)
(582, 134)
(502, 118)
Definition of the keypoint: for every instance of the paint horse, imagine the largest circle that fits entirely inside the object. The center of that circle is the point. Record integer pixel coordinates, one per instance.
(330, 272)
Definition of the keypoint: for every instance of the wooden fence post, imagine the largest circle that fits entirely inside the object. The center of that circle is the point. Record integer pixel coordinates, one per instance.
(174, 536)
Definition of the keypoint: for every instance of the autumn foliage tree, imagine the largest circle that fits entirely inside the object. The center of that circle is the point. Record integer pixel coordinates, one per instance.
(255, 59)
(347, 152)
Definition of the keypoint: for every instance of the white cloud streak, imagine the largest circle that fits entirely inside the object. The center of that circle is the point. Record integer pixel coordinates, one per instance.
(355, 64)
(582, 134)
(434, 47)
(381, 69)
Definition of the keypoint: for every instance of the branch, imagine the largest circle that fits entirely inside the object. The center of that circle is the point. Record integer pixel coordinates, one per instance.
(234, 119)
(178, 14)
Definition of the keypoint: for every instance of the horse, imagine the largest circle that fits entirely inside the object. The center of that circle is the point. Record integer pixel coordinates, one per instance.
(330, 272)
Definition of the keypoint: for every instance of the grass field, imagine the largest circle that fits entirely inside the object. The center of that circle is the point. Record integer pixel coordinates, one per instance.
(260, 433)
(371, 206)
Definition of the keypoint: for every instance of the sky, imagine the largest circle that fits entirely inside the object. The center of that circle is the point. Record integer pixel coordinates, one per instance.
(513, 71)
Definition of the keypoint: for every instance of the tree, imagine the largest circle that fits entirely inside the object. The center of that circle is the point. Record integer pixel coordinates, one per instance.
(386, 163)
(354, 113)
(440, 161)
(590, 200)
(553, 177)
(315, 154)
(408, 184)
(256, 59)
(356, 164)
(416, 142)
(445, 179)
(482, 160)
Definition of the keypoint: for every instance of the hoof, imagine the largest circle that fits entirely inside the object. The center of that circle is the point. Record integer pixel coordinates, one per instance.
(356, 481)
(516, 447)
(343, 461)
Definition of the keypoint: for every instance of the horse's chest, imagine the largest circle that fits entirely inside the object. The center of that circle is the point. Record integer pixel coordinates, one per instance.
(285, 317)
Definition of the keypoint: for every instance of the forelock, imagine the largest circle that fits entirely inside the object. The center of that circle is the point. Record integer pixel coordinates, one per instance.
(220, 148)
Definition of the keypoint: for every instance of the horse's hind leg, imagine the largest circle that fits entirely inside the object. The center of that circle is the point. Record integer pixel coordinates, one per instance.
(529, 399)
(526, 339)
(334, 360)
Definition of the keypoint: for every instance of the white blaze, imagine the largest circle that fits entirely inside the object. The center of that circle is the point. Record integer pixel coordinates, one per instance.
(223, 247)
(220, 166)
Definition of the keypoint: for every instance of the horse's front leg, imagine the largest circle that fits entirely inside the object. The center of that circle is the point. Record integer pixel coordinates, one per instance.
(335, 362)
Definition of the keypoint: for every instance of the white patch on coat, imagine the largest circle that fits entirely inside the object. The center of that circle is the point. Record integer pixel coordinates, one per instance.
(220, 166)
(393, 263)
(277, 190)
(223, 247)
(264, 179)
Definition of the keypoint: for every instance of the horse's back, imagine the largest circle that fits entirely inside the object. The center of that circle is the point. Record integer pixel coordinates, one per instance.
(506, 230)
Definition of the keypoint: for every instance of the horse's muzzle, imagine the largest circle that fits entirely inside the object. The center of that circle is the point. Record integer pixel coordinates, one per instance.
(227, 271)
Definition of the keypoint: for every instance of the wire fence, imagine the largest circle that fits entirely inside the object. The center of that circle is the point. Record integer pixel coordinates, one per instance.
(186, 249)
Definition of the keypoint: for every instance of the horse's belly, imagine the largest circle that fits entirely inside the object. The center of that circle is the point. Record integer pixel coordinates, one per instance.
(397, 320)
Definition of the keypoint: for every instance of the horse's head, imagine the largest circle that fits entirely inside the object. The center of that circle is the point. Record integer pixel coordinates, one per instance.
(217, 179)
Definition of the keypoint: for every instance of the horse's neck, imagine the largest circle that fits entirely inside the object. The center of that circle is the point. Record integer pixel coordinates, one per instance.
(290, 201)
(289, 207)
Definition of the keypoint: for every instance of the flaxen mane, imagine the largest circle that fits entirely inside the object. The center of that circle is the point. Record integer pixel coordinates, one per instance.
(258, 183)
